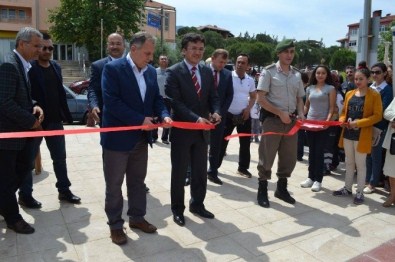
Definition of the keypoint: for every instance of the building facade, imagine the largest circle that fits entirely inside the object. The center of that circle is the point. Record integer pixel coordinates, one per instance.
(379, 24)
(15, 14)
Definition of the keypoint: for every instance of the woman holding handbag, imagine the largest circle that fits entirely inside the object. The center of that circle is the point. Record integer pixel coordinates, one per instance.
(389, 143)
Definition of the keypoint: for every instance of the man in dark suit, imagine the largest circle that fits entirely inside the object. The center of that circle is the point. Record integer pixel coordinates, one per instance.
(17, 113)
(115, 49)
(47, 89)
(190, 88)
(130, 98)
(224, 85)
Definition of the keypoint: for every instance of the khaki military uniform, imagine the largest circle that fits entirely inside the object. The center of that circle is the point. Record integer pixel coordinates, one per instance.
(282, 92)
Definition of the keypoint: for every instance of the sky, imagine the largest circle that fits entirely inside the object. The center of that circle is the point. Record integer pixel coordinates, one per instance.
(297, 19)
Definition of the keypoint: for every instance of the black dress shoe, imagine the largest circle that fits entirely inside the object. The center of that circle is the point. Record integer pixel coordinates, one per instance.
(179, 220)
(29, 202)
(69, 197)
(201, 212)
(165, 142)
(244, 172)
(214, 179)
(21, 227)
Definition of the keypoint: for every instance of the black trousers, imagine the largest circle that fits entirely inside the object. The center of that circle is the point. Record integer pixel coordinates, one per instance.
(188, 147)
(245, 142)
(15, 165)
(216, 141)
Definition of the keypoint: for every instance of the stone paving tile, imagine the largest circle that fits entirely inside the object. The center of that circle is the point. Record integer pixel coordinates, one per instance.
(319, 227)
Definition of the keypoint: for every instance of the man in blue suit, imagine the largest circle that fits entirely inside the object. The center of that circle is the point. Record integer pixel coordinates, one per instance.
(224, 85)
(115, 49)
(47, 89)
(130, 98)
(17, 113)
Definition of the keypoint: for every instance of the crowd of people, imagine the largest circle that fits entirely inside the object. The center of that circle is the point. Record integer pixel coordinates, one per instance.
(126, 90)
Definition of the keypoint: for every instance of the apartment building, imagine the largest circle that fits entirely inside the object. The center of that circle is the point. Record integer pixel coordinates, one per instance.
(15, 14)
(379, 24)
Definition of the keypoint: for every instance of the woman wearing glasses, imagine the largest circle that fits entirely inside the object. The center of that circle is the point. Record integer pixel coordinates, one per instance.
(374, 160)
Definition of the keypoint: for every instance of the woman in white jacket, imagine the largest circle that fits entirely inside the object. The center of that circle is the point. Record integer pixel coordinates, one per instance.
(389, 165)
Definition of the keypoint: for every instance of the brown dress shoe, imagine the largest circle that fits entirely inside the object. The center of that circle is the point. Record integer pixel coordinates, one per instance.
(143, 226)
(21, 227)
(118, 236)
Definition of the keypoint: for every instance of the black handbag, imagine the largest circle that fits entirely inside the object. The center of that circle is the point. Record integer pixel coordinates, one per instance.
(392, 144)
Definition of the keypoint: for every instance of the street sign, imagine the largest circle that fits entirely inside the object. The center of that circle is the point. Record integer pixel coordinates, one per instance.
(153, 20)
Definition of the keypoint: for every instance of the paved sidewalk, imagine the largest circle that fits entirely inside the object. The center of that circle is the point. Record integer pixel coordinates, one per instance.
(319, 227)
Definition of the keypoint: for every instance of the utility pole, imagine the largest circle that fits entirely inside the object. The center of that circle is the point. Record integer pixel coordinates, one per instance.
(162, 20)
(364, 34)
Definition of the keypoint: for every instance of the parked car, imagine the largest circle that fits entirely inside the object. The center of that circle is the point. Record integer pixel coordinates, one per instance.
(78, 105)
(80, 87)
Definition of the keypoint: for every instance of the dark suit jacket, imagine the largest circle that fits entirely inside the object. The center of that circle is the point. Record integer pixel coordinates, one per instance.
(124, 106)
(39, 93)
(225, 90)
(95, 97)
(185, 103)
(16, 105)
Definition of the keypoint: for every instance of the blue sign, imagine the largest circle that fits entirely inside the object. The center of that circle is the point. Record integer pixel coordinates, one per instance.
(153, 20)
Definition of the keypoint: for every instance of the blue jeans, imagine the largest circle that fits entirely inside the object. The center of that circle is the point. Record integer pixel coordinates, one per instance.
(57, 148)
(374, 162)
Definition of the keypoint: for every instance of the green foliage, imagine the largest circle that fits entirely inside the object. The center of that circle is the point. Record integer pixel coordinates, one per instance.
(172, 54)
(342, 58)
(79, 21)
(187, 29)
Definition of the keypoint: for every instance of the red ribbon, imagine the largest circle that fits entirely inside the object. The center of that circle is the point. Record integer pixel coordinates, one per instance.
(298, 125)
(183, 125)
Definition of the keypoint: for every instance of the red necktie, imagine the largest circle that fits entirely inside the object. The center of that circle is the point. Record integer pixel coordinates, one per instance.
(195, 81)
(216, 78)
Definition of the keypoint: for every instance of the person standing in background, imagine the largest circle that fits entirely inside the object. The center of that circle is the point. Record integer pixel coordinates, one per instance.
(224, 86)
(47, 89)
(17, 113)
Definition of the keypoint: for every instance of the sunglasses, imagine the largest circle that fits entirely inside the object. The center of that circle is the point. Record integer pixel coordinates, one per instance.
(378, 72)
(49, 48)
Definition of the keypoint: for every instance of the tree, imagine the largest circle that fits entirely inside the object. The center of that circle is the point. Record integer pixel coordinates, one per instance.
(79, 21)
(186, 29)
(385, 37)
(342, 58)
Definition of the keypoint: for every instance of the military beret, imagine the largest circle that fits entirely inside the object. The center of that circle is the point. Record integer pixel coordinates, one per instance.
(284, 45)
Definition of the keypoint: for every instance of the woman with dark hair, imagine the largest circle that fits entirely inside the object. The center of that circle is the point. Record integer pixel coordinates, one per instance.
(320, 105)
(362, 109)
(374, 160)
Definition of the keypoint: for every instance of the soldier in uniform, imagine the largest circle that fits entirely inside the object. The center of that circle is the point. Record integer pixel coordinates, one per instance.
(280, 94)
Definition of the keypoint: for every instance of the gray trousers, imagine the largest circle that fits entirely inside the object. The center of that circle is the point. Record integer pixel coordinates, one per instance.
(270, 145)
(115, 165)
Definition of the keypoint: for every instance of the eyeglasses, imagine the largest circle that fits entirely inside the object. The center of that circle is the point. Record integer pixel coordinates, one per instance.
(49, 48)
(378, 72)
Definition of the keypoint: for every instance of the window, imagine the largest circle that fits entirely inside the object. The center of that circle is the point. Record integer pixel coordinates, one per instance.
(352, 43)
(22, 14)
(353, 31)
(383, 28)
(4, 13)
(11, 13)
(167, 18)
